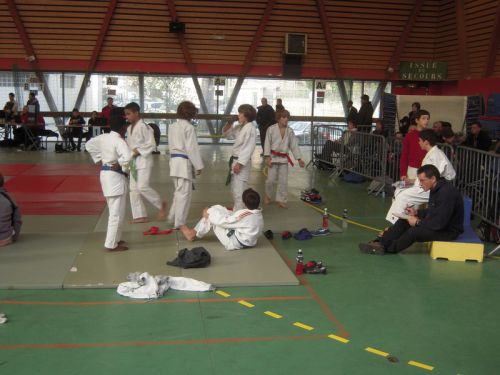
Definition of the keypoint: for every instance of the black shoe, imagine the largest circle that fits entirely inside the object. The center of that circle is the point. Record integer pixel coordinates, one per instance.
(269, 234)
(372, 248)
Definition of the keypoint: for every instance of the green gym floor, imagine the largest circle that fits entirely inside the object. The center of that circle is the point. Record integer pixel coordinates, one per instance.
(397, 314)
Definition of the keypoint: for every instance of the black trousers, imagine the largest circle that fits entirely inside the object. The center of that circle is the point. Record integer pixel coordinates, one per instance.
(401, 236)
(262, 133)
(78, 133)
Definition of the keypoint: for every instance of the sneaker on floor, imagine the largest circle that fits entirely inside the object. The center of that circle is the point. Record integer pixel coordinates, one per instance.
(321, 232)
(372, 248)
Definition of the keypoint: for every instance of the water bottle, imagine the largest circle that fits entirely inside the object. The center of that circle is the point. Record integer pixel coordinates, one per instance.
(299, 269)
(344, 219)
(325, 218)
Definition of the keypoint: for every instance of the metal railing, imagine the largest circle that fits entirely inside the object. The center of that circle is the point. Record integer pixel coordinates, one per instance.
(478, 176)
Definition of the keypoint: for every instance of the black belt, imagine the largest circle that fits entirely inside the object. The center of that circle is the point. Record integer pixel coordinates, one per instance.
(230, 233)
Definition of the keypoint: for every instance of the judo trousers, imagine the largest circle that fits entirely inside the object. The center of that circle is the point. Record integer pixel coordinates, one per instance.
(179, 210)
(413, 195)
(139, 189)
(278, 173)
(238, 186)
(116, 208)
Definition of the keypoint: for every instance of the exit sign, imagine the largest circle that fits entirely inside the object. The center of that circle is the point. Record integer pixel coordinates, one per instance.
(423, 70)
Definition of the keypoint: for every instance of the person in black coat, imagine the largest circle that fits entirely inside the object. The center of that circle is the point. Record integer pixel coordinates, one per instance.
(353, 112)
(365, 114)
(441, 221)
(265, 118)
(478, 138)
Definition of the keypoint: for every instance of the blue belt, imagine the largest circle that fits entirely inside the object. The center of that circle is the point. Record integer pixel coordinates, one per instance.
(110, 168)
(184, 156)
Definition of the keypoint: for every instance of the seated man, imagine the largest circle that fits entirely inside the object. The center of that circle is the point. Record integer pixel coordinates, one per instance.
(10, 217)
(441, 221)
(238, 230)
(415, 194)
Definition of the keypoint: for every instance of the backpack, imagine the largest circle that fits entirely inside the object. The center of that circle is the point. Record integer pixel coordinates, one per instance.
(488, 232)
(197, 257)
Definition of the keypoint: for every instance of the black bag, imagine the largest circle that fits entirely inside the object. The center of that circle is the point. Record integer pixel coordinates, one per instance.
(197, 257)
(59, 147)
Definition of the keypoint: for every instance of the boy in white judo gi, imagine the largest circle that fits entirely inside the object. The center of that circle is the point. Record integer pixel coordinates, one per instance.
(244, 145)
(140, 140)
(235, 229)
(280, 139)
(111, 151)
(415, 194)
(185, 161)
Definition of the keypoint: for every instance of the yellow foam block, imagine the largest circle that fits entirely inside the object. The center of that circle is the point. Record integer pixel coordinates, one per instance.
(459, 251)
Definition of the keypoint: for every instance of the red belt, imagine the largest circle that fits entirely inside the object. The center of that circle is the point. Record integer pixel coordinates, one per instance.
(282, 155)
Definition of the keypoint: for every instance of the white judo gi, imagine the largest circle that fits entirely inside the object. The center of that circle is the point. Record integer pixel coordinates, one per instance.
(277, 147)
(141, 137)
(243, 148)
(185, 159)
(111, 148)
(415, 195)
(237, 230)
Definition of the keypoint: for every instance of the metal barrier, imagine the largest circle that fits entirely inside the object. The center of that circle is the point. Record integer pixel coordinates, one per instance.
(478, 176)
(325, 149)
(365, 154)
(394, 147)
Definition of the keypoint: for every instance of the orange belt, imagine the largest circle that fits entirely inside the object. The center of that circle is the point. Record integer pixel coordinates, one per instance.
(282, 155)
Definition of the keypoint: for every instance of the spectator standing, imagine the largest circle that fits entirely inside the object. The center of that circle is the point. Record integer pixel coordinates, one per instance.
(412, 154)
(265, 118)
(11, 107)
(106, 111)
(379, 129)
(279, 105)
(478, 138)
(415, 107)
(352, 112)
(365, 114)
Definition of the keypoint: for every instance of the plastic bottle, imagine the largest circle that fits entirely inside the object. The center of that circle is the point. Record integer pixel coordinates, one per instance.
(325, 218)
(344, 219)
(299, 269)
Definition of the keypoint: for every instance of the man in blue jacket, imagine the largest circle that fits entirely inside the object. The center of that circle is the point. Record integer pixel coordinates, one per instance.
(441, 221)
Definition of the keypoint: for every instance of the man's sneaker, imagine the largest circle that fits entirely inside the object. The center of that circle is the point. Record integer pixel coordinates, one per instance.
(321, 232)
(372, 248)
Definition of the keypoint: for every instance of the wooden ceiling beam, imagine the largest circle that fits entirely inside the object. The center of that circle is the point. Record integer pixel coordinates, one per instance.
(31, 56)
(250, 55)
(96, 52)
(403, 39)
(494, 45)
(190, 65)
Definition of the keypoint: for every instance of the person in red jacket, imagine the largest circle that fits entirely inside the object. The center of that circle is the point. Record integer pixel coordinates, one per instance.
(411, 153)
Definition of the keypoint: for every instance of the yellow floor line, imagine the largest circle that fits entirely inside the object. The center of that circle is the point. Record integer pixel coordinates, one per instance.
(222, 293)
(349, 221)
(377, 352)
(338, 338)
(273, 315)
(303, 326)
(245, 303)
(421, 365)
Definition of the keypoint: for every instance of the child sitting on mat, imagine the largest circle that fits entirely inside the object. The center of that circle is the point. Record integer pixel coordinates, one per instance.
(235, 230)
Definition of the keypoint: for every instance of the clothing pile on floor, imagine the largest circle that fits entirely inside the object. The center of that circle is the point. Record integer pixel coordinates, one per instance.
(145, 286)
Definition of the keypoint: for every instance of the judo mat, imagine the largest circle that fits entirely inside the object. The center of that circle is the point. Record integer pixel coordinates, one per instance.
(39, 261)
(55, 189)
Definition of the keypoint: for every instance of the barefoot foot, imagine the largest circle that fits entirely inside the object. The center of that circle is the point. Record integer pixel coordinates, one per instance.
(267, 200)
(282, 205)
(162, 214)
(189, 234)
